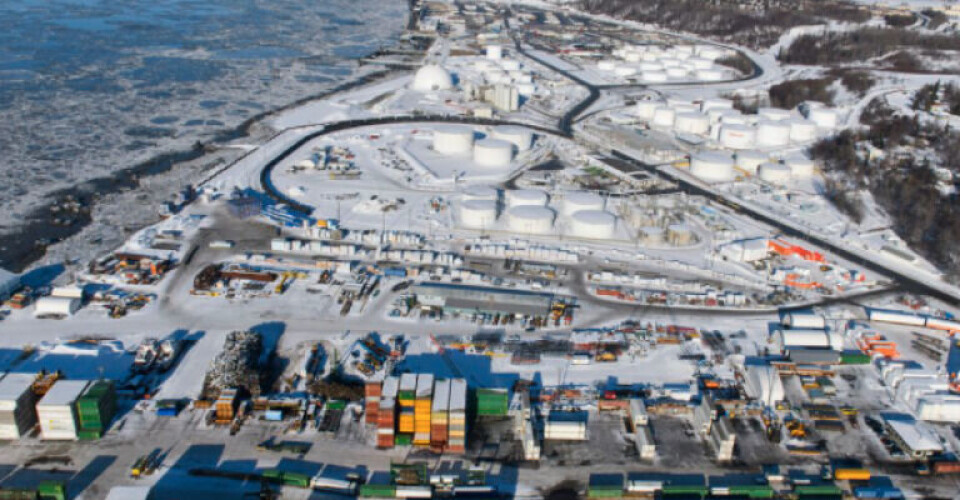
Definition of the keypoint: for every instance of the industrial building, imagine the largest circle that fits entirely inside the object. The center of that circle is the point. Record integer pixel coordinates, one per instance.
(475, 299)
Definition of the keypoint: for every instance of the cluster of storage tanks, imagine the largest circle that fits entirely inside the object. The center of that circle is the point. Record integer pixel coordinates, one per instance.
(495, 150)
(529, 211)
(497, 68)
(770, 128)
(722, 166)
(659, 64)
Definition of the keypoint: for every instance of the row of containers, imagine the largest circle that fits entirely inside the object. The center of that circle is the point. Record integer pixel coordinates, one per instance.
(420, 410)
(68, 410)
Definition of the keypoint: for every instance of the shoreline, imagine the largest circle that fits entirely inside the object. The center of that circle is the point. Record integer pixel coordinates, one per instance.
(28, 244)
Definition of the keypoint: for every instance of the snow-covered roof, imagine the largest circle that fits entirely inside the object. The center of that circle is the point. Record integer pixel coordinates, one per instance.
(917, 436)
(14, 385)
(64, 392)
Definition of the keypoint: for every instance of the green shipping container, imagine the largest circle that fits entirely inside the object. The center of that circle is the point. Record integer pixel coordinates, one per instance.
(403, 440)
(89, 434)
(817, 490)
(336, 404)
(492, 402)
(97, 406)
(378, 490)
(684, 490)
(854, 358)
(604, 493)
(755, 491)
(52, 490)
(296, 479)
(272, 475)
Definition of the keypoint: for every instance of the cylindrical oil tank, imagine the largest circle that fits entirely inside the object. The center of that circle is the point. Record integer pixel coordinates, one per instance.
(712, 166)
(774, 173)
(650, 56)
(691, 122)
(594, 224)
(452, 139)
(492, 153)
(478, 214)
(773, 134)
(735, 136)
(720, 115)
(710, 52)
(715, 103)
(651, 66)
(632, 56)
(749, 160)
(521, 137)
(625, 71)
(711, 75)
(684, 49)
(578, 201)
(823, 117)
(646, 109)
(523, 197)
(494, 52)
(677, 73)
(663, 117)
(800, 166)
(607, 65)
(670, 62)
(530, 219)
(700, 63)
(481, 193)
(654, 76)
(679, 234)
(774, 114)
(652, 235)
(802, 130)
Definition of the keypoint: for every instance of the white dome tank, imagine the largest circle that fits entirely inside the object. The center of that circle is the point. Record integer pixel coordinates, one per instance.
(691, 122)
(711, 75)
(773, 134)
(654, 76)
(650, 56)
(700, 63)
(823, 117)
(737, 136)
(494, 52)
(711, 53)
(715, 103)
(485, 193)
(530, 219)
(677, 73)
(712, 166)
(774, 114)
(800, 166)
(478, 214)
(576, 201)
(663, 117)
(520, 137)
(607, 65)
(632, 56)
(625, 71)
(452, 139)
(651, 66)
(774, 173)
(523, 197)
(594, 224)
(646, 109)
(492, 153)
(802, 130)
(748, 160)
(670, 62)
(718, 115)
(431, 78)
(684, 49)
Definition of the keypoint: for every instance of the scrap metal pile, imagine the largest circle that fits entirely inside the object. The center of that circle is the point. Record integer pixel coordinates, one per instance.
(238, 365)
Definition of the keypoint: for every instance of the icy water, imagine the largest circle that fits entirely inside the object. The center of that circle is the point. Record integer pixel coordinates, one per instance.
(91, 87)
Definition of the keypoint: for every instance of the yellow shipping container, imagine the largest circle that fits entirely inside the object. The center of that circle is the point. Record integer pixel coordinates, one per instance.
(851, 475)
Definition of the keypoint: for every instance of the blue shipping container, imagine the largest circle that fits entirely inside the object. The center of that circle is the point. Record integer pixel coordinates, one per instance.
(877, 492)
(170, 411)
(398, 272)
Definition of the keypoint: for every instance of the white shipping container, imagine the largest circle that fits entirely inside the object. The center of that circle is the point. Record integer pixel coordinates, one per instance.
(17, 405)
(414, 492)
(804, 320)
(57, 410)
(900, 318)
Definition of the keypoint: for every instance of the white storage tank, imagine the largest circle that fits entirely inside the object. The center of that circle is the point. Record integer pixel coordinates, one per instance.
(711, 75)
(677, 73)
(773, 134)
(654, 76)
(432, 78)
(735, 136)
(494, 52)
(481, 193)
(774, 114)
(530, 219)
(749, 160)
(800, 166)
(646, 109)
(632, 56)
(715, 103)
(712, 166)
(522, 197)
(824, 117)
(663, 117)
(607, 65)
(56, 411)
(453, 140)
(576, 201)
(520, 137)
(478, 214)
(710, 52)
(492, 153)
(802, 130)
(651, 66)
(625, 71)
(691, 122)
(18, 414)
(774, 173)
(594, 224)
(700, 63)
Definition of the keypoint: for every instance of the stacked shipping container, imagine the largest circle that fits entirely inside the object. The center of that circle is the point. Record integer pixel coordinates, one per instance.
(17, 405)
(372, 401)
(406, 398)
(386, 416)
(422, 405)
(226, 406)
(492, 402)
(57, 410)
(457, 417)
(96, 408)
(439, 412)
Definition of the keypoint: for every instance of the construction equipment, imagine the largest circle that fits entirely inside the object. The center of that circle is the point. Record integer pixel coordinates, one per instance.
(796, 428)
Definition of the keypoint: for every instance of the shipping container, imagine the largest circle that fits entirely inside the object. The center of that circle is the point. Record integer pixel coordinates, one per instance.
(18, 402)
(378, 491)
(97, 406)
(492, 402)
(56, 411)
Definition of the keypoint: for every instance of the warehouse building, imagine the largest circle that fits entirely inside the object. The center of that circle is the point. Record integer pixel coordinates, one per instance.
(915, 438)
(476, 299)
